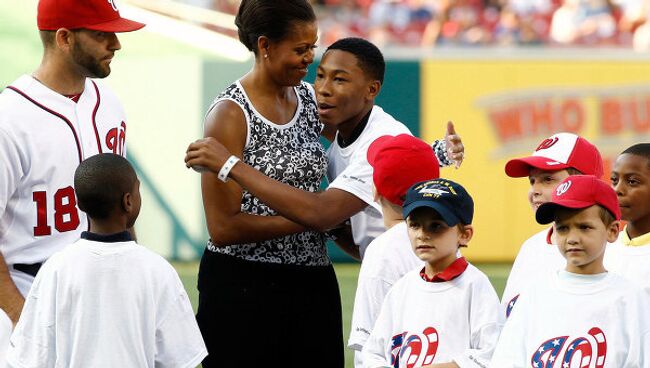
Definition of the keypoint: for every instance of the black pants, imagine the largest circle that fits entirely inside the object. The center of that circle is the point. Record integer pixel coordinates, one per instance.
(258, 314)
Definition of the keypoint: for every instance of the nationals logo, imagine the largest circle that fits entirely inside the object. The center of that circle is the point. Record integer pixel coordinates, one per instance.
(562, 188)
(583, 352)
(414, 350)
(547, 143)
(113, 5)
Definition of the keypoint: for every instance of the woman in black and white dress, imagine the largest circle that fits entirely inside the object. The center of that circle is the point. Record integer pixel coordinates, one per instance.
(267, 289)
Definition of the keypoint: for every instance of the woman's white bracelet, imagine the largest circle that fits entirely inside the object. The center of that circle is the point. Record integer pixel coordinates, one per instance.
(225, 169)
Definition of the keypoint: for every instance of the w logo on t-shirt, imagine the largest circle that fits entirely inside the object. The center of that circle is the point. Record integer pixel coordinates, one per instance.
(414, 350)
(582, 352)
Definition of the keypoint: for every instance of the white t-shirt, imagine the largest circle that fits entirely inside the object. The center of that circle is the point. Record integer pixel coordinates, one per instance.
(574, 319)
(388, 258)
(423, 322)
(537, 259)
(348, 169)
(630, 261)
(43, 138)
(100, 304)
(6, 326)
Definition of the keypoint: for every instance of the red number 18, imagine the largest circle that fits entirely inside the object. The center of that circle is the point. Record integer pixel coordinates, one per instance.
(65, 203)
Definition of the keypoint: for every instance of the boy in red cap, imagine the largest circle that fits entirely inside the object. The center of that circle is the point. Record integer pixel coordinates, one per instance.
(581, 316)
(50, 121)
(555, 158)
(630, 255)
(443, 314)
(398, 162)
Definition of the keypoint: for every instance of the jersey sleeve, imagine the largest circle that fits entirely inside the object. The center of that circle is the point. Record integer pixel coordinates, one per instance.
(510, 350)
(33, 340)
(375, 353)
(367, 304)
(11, 168)
(178, 339)
(357, 179)
(485, 326)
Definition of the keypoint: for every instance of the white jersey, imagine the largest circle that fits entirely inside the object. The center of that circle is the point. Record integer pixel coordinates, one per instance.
(387, 259)
(6, 326)
(98, 304)
(424, 322)
(348, 169)
(630, 258)
(537, 259)
(571, 320)
(43, 138)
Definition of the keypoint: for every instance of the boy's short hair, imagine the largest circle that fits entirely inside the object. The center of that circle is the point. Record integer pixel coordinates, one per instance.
(578, 192)
(557, 152)
(449, 199)
(398, 162)
(369, 58)
(641, 149)
(100, 182)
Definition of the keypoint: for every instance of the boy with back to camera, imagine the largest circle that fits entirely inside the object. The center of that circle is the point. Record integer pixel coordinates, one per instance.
(445, 314)
(554, 159)
(630, 255)
(398, 162)
(581, 316)
(105, 301)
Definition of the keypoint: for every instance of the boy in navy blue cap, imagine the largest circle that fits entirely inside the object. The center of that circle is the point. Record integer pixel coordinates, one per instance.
(445, 314)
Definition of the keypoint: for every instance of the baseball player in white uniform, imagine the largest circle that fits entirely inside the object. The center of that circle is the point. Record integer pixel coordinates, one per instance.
(554, 159)
(49, 122)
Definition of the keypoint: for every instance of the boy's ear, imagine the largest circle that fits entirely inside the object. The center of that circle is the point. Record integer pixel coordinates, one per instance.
(127, 202)
(373, 89)
(612, 231)
(465, 235)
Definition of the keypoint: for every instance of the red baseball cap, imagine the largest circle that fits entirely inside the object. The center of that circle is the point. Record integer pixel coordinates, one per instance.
(398, 162)
(97, 15)
(557, 152)
(579, 191)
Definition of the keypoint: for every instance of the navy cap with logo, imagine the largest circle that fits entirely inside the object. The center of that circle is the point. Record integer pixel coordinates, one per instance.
(446, 197)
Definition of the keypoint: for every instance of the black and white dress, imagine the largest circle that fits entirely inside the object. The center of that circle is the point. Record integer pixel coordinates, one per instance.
(279, 294)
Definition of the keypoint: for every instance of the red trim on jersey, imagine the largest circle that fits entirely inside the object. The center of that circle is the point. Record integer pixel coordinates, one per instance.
(74, 98)
(99, 144)
(74, 132)
(455, 269)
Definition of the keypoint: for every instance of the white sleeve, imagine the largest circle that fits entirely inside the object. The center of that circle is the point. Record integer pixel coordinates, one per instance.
(33, 342)
(376, 351)
(11, 168)
(513, 283)
(367, 304)
(357, 178)
(485, 326)
(179, 343)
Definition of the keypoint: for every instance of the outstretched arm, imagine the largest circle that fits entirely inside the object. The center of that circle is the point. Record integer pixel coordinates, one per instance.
(222, 201)
(319, 211)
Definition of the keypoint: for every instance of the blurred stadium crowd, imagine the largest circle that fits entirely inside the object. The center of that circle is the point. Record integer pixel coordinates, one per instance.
(440, 23)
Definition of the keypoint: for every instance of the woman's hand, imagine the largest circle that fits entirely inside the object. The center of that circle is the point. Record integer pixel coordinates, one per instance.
(455, 148)
(206, 154)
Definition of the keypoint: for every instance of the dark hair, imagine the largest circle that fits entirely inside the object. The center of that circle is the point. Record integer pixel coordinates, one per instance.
(47, 38)
(370, 59)
(100, 182)
(270, 18)
(641, 149)
(606, 216)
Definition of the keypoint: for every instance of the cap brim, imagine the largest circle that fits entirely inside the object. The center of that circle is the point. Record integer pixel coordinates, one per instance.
(546, 212)
(520, 167)
(375, 148)
(447, 216)
(117, 25)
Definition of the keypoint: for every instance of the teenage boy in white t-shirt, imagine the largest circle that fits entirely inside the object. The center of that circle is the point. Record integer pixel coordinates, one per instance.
(348, 80)
(398, 162)
(554, 159)
(630, 255)
(582, 316)
(106, 301)
(444, 314)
